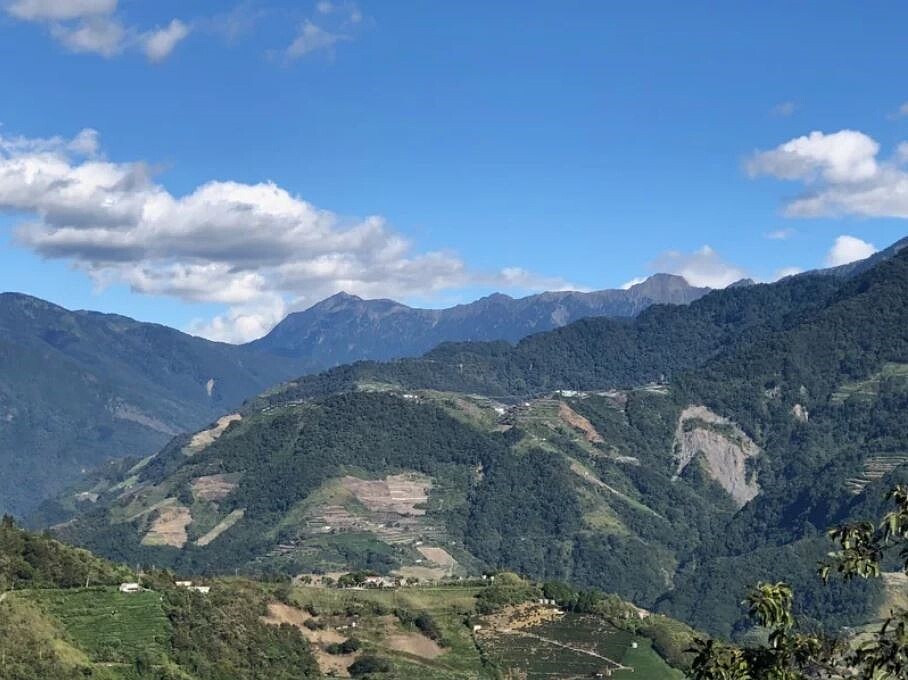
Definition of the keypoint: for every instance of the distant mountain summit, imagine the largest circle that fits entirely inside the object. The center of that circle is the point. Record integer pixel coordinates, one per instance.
(346, 328)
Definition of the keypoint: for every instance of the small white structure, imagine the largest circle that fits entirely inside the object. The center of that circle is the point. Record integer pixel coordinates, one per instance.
(201, 589)
(183, 584)
(130, 588)
(477, 628)
(634, 645)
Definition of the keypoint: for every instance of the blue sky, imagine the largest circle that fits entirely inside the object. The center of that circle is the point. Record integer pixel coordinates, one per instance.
(248, 159)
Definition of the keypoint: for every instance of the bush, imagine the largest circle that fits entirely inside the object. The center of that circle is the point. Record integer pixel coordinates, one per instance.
(348, 646)
(369, 664)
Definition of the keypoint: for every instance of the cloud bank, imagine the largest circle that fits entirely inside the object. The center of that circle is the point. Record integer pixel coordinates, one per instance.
(257, 248)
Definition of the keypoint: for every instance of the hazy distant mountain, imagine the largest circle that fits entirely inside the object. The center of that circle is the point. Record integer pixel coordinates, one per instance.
(346, 328)
(77, 388)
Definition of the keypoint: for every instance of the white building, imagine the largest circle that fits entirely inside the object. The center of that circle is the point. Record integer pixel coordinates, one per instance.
(130, 588)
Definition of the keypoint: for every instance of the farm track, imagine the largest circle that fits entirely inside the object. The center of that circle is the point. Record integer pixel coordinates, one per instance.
(548, 641)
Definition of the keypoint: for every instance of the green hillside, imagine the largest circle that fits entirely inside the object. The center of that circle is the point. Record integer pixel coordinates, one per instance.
(238, 629)
(781, 413)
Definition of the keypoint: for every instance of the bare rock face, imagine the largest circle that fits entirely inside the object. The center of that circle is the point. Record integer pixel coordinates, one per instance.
(722, 447)
(800, 413)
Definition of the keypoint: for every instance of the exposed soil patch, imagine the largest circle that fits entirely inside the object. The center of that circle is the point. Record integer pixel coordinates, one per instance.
(578, 422)
(222, 526)
(212, 487)
(329, 664)
(415, 644)
(724, 447)
(399, 494)
(205, 438)
(169, 527)
(438, 556)
(521, 616)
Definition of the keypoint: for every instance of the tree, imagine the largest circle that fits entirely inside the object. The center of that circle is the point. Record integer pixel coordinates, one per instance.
(793, 653)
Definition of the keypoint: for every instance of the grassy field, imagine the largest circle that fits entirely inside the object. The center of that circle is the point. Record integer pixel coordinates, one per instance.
(106, 624)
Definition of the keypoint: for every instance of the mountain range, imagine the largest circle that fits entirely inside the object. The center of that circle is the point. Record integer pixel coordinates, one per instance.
(345, 328)
(81, 387)
(673, 458)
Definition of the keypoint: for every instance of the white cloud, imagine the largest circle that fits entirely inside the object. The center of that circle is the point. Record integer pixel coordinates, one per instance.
(842, 175)
(93, 27)
(59, 10)
(250, 246)
(312, 38)
(848, 249)
(96, 35)
(633, 282)
(703, 267)
(901, 112)
(786, 271)
(337, 22)
(784, 109)
(160, 43)
(780, 234)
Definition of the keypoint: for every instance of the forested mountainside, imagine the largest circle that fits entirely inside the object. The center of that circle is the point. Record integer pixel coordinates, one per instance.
(78, 388)
(346, 328)
(63, 615)
(781, 413)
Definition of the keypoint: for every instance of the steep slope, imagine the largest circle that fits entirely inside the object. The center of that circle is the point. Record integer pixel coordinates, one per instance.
(81, 387)
(346, 328)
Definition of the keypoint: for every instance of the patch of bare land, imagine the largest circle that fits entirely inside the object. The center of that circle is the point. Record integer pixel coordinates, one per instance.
(397, 494)
(438, 556)
(579, 422)
(222, 526)
(422, 573)
(329, 664)
(415, 644)
(201, 440)
(517, 617)
(169, 526)
(213, 487)
(724, 447)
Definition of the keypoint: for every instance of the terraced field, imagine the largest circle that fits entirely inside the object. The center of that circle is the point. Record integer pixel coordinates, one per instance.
(108, 625)
(574, 646)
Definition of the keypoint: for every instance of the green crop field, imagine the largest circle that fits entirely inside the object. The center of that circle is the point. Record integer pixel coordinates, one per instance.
(575, 647)
(106, 624)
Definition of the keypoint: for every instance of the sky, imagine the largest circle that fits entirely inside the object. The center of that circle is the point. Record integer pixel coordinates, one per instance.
(215, 165)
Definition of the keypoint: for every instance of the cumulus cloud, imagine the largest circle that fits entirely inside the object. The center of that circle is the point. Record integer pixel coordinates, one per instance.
(93, 27)
(255, 247)
(848, 249)
(842, 174)
(703, 267)
(160, 43)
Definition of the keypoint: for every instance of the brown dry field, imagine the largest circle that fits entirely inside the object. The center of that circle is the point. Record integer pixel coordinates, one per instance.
(206, 437)
(577, 421)
(329, 664)
(212, 487)
(398, 494)
(415, 644)
(169, 527)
